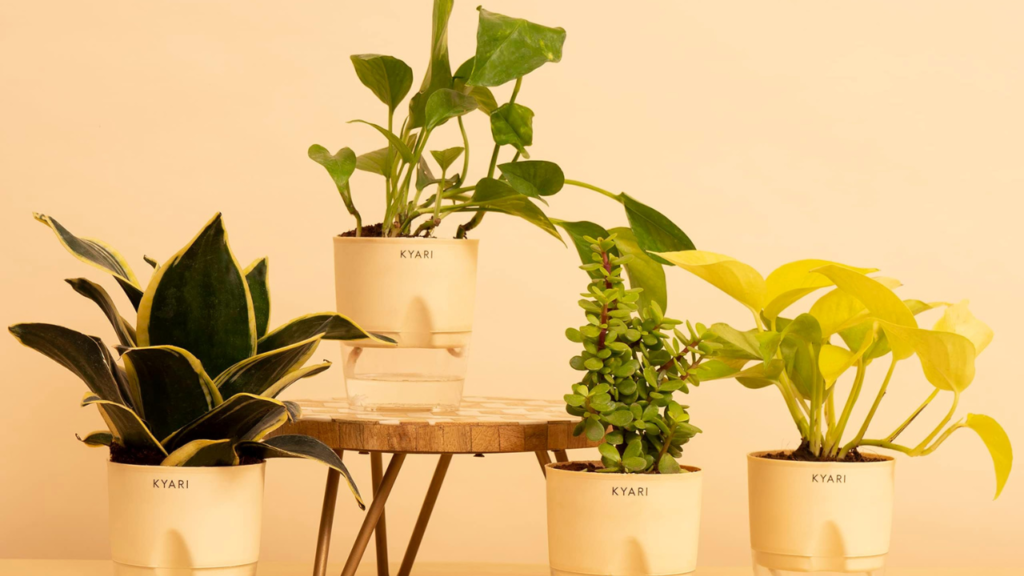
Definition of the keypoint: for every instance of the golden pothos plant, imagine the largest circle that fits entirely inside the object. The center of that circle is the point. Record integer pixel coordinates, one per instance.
(859, 322)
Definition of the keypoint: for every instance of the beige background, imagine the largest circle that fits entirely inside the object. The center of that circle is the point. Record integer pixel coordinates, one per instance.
(877, 133)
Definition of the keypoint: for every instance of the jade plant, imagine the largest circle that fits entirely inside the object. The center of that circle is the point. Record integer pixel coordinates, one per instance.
(859, 323)
(201, 371)
(633, 360)
(416, 201)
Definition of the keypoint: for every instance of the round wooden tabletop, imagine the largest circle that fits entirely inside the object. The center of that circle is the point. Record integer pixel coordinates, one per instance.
(482, 425)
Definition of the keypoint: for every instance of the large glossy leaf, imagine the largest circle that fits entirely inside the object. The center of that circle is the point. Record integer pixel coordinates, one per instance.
(122, 328)
(654, 231)
(838, 309)
(508, 48)
(512, 124)
(255, 375)
(642, 270)
(85, 356)
(439, 71)
(388, 77)
(331, 325)
(496, 196)
(256, 278)
(880, 301)
(199, 300)
(239, 418)
(959, 319)
(126, 428)
(293, 377)
(402, 147)
(729, 275)
(533, 178)
(446, 157)
(169, 387)
(946, 358)
(445, 104)
(577, 231)
(205, 452)
(998, 444)
(298, 446)
(98, 254)
(790, 282)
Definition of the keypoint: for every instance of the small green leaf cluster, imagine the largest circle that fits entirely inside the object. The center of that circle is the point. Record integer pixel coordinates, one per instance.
(634, 360)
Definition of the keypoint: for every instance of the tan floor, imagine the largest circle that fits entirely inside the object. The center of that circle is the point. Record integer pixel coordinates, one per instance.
(102, 568)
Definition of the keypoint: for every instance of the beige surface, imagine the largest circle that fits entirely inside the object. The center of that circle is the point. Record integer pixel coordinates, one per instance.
(874, 132)
(102, 568)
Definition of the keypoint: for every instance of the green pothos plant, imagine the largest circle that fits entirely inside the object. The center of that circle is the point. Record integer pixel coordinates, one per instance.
(201, 371)
(634, 360)
(416, 201)
(859, 323)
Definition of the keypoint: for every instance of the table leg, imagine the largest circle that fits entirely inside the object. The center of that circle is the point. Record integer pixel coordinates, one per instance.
(380, 532)
(561, 456)
(543, 459)
(323, 542)
(424, 517)
(373, 514)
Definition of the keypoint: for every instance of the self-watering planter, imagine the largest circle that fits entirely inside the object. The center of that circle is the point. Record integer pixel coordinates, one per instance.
(820, 517)
(622, 524)
(185, 521)
(420, 293)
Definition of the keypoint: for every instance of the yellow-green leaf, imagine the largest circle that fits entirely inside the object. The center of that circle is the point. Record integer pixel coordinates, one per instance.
(959, 319)
(833, 361)
(838, 309)
(203, 452)
(790, 282)
(729, 275)
(998, 444)
(946, 358)
(880, 301)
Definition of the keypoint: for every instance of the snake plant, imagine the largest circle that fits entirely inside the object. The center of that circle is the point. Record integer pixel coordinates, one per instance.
(201, 371)
(859, 321)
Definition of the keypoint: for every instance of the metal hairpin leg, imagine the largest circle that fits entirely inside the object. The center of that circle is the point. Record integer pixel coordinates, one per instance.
(323, 542)
(424, 517)
(380, 532)
(373, 514)
(561, 456)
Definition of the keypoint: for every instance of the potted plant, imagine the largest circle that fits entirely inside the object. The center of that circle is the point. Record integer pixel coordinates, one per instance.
(407, 282)
(188, 413)
(642, 503)
(827, 506)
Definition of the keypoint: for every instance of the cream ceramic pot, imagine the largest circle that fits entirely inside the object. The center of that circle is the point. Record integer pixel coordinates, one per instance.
(420, 292)
(622, 524)
(820, 516)
(177, 521)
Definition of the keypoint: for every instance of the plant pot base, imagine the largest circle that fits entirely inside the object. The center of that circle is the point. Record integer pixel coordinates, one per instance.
(129, 570)
(767, 564)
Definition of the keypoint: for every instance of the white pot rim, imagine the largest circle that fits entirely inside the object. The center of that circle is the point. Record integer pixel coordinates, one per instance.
(379, 240)
(692, 471)
(884, 460)
(196, 469)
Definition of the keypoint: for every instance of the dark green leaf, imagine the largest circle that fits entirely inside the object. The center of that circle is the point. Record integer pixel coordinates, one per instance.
(513, 124)
(496, 196)
(256, 278)
(508, 48)
(445, 104)
(241, 417)
(654, 232)
(199, 300)
(331, 325)
(96, 439)
(609, 452)
(293, 377)
(594, 429)
(298, 446)
(533, 178)
(388, 77)
(83, 355)
(126, 428)
(93, 291)
(203, 453)
(577, 231)
(169, 387)
(439, 71)
(257, 374)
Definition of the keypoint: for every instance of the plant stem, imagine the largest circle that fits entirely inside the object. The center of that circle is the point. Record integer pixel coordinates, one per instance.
(871, 413)
(440, 194)
(515, 91)
(899, 430)
(836, 435)
(887, 445)
(794, 410)
(494, 161)
(949, 416)
(942, 439)
(465, 153)
(577, 183)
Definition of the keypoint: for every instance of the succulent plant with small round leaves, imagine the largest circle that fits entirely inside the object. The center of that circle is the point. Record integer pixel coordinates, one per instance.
(634, 360)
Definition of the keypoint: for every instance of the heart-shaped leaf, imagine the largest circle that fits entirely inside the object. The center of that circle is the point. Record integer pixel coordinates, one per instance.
(838, 309)
(512, 124)
(446, 157)
(959, 319)
(388, 77)
(654, 231)
(729, 275)
(445, 104)
(199, 300)
(880, 301)
(791, 282)
(998, 444)
(508, 48)
(946, 358)
(533, 178)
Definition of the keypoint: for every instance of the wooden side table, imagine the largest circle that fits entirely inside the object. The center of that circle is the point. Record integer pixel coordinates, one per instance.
(481, 426)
